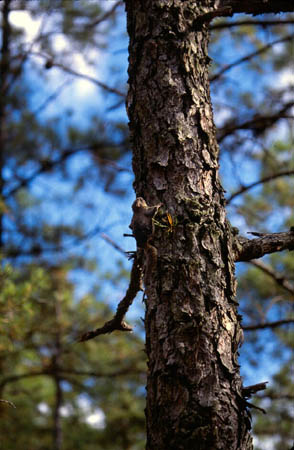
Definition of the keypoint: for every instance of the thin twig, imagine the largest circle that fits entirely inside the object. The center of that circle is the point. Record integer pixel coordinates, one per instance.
(117, 322)
(47, 166)
(249, 56)
(260, 326)
(113, 244)
(79, 75)
(24, 55)
(95, 374)
(105, 16)
(265, 179)
(281, 280)
(51, 97)
(284, 283)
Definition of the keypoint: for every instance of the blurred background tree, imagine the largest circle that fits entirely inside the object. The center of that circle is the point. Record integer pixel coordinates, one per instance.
(65, 196)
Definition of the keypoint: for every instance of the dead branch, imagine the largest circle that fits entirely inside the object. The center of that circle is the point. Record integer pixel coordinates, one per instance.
(210, 15)
(118, 323)
(248, 391)
(113, 243)
(248, 249)
(252, 389)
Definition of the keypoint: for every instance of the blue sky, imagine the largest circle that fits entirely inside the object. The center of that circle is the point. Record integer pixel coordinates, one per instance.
(86, 99)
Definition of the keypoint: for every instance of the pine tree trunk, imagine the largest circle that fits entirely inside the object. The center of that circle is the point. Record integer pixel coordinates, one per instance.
(192, 328)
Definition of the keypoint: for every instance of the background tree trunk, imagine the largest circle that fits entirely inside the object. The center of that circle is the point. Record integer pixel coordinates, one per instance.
(57, 379)
(192, 328)
(4, 73)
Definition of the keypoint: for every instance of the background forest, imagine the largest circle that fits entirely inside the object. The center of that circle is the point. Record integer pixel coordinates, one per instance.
(65, 203)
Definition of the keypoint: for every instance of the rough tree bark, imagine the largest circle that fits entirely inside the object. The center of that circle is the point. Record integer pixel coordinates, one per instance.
(194, 389)
(192, 327)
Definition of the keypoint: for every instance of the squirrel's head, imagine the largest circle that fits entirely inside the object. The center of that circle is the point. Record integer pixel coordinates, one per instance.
(138, 204)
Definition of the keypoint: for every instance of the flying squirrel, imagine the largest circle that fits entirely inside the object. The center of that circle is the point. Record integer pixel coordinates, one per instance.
(142, 226)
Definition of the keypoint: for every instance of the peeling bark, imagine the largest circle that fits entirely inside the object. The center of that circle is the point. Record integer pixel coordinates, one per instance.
(194, 389)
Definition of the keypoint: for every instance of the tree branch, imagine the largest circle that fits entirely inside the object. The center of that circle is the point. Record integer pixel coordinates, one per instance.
(102, 85)
(47, 371)
(84, 76)
(105, 15)
(225, 11)
(282, 281)
(262, 23)
(265, 179)
(260, 326)
(113, 244)
(258, 124)
(48, 165)
(248, 249)
(256, 7)
(45, 166)
(118, 323)
(22, 58)
(94, 374)
(248, 391)
(227, 8)
(51, 97)
(249, 56)
(13, 378)
(277, 396)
